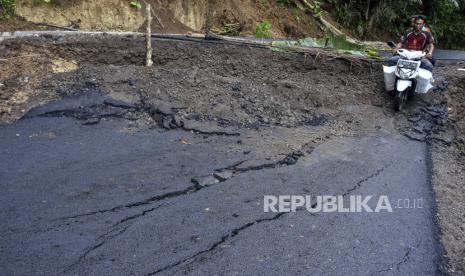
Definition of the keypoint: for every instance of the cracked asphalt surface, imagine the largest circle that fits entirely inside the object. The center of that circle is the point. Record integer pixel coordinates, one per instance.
(109, 167)
(107, 200)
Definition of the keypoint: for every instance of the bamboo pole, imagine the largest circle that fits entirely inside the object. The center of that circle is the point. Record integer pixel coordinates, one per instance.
(148, 61)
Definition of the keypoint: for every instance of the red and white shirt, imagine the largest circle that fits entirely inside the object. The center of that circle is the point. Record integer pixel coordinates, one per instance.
(417, 42)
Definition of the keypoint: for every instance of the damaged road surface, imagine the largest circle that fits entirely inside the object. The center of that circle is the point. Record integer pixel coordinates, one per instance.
(99, 181)
(96, 199)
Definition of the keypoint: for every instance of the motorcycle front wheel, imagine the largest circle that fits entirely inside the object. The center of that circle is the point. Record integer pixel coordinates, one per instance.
(399, 100)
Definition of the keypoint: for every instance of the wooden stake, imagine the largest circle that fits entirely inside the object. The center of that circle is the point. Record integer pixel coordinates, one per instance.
(148, 61)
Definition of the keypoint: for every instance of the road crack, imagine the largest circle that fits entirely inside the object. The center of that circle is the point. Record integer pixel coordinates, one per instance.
(198, 184)
(405, 258)
(113, 232)
(223, 239)
(359, 184)
(186, 191)
(238, 230)
(121, 226)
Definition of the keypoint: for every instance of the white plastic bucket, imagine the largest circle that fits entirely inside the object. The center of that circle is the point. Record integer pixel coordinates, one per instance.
(424, 81)
(389, 77)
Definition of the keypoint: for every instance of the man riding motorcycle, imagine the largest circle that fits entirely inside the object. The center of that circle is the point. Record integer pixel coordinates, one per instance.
(412, 24)
(425, 28)
(417, 40)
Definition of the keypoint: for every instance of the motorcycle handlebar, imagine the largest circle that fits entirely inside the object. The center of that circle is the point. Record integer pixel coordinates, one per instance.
(399, 51)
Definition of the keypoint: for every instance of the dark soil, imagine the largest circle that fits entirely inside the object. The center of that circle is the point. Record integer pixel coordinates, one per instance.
(234, 84)
(449, 170)
(17, 23)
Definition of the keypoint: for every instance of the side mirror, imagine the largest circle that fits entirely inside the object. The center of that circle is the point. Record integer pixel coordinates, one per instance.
(391, 44)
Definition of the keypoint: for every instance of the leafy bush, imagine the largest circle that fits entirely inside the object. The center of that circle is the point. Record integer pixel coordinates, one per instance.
(449, 24)
(315, 6)
(296, 13)
(446, 17)
(6, 9)
(135, 4)
(288, 3)
(263, 29)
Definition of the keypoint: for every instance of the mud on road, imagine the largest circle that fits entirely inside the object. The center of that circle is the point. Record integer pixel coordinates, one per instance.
(219, 90)
(233, 84)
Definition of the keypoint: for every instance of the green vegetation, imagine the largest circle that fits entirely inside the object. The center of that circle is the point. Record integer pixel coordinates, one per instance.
(366, 19)
(287, 3)
(449, 24)
(6, 9)
(263, 29)
(315, 7)
(135, 4)
(369, 19)
(331, 40)
(445, 17)
(297, 15)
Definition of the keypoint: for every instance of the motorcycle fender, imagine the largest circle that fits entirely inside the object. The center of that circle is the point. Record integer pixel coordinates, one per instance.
(401, 85)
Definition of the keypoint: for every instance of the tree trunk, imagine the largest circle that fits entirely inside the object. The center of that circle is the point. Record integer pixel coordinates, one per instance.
(367, 13)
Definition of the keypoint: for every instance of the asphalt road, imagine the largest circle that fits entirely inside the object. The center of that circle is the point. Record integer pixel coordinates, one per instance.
(86, 198)
(449, 54)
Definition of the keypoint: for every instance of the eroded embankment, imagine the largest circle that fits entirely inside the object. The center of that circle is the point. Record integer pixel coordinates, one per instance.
(173, 16)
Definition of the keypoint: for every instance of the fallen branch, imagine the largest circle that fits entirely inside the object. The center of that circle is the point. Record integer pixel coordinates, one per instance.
(56, 26)
(333, 29)
(316, 57)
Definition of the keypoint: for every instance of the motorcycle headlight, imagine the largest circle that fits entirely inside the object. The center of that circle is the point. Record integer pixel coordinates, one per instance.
(405, 73)
(405, 64)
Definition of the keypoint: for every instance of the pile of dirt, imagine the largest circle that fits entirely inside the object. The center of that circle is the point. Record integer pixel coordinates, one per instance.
(449, 168)
(456, 98)
(23, 70)
(176, 16)
(239, 85)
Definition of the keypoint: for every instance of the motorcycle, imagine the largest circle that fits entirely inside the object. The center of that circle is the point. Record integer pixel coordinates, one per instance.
(407, 78)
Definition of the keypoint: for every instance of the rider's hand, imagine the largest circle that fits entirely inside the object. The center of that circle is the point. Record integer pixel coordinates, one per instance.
(394, 51)
(429, 55)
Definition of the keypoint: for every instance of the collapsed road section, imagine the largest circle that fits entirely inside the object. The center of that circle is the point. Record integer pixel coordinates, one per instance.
(109, 167)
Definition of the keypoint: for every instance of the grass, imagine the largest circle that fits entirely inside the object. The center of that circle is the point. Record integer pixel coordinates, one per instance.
(263, 29)
(7, 7)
